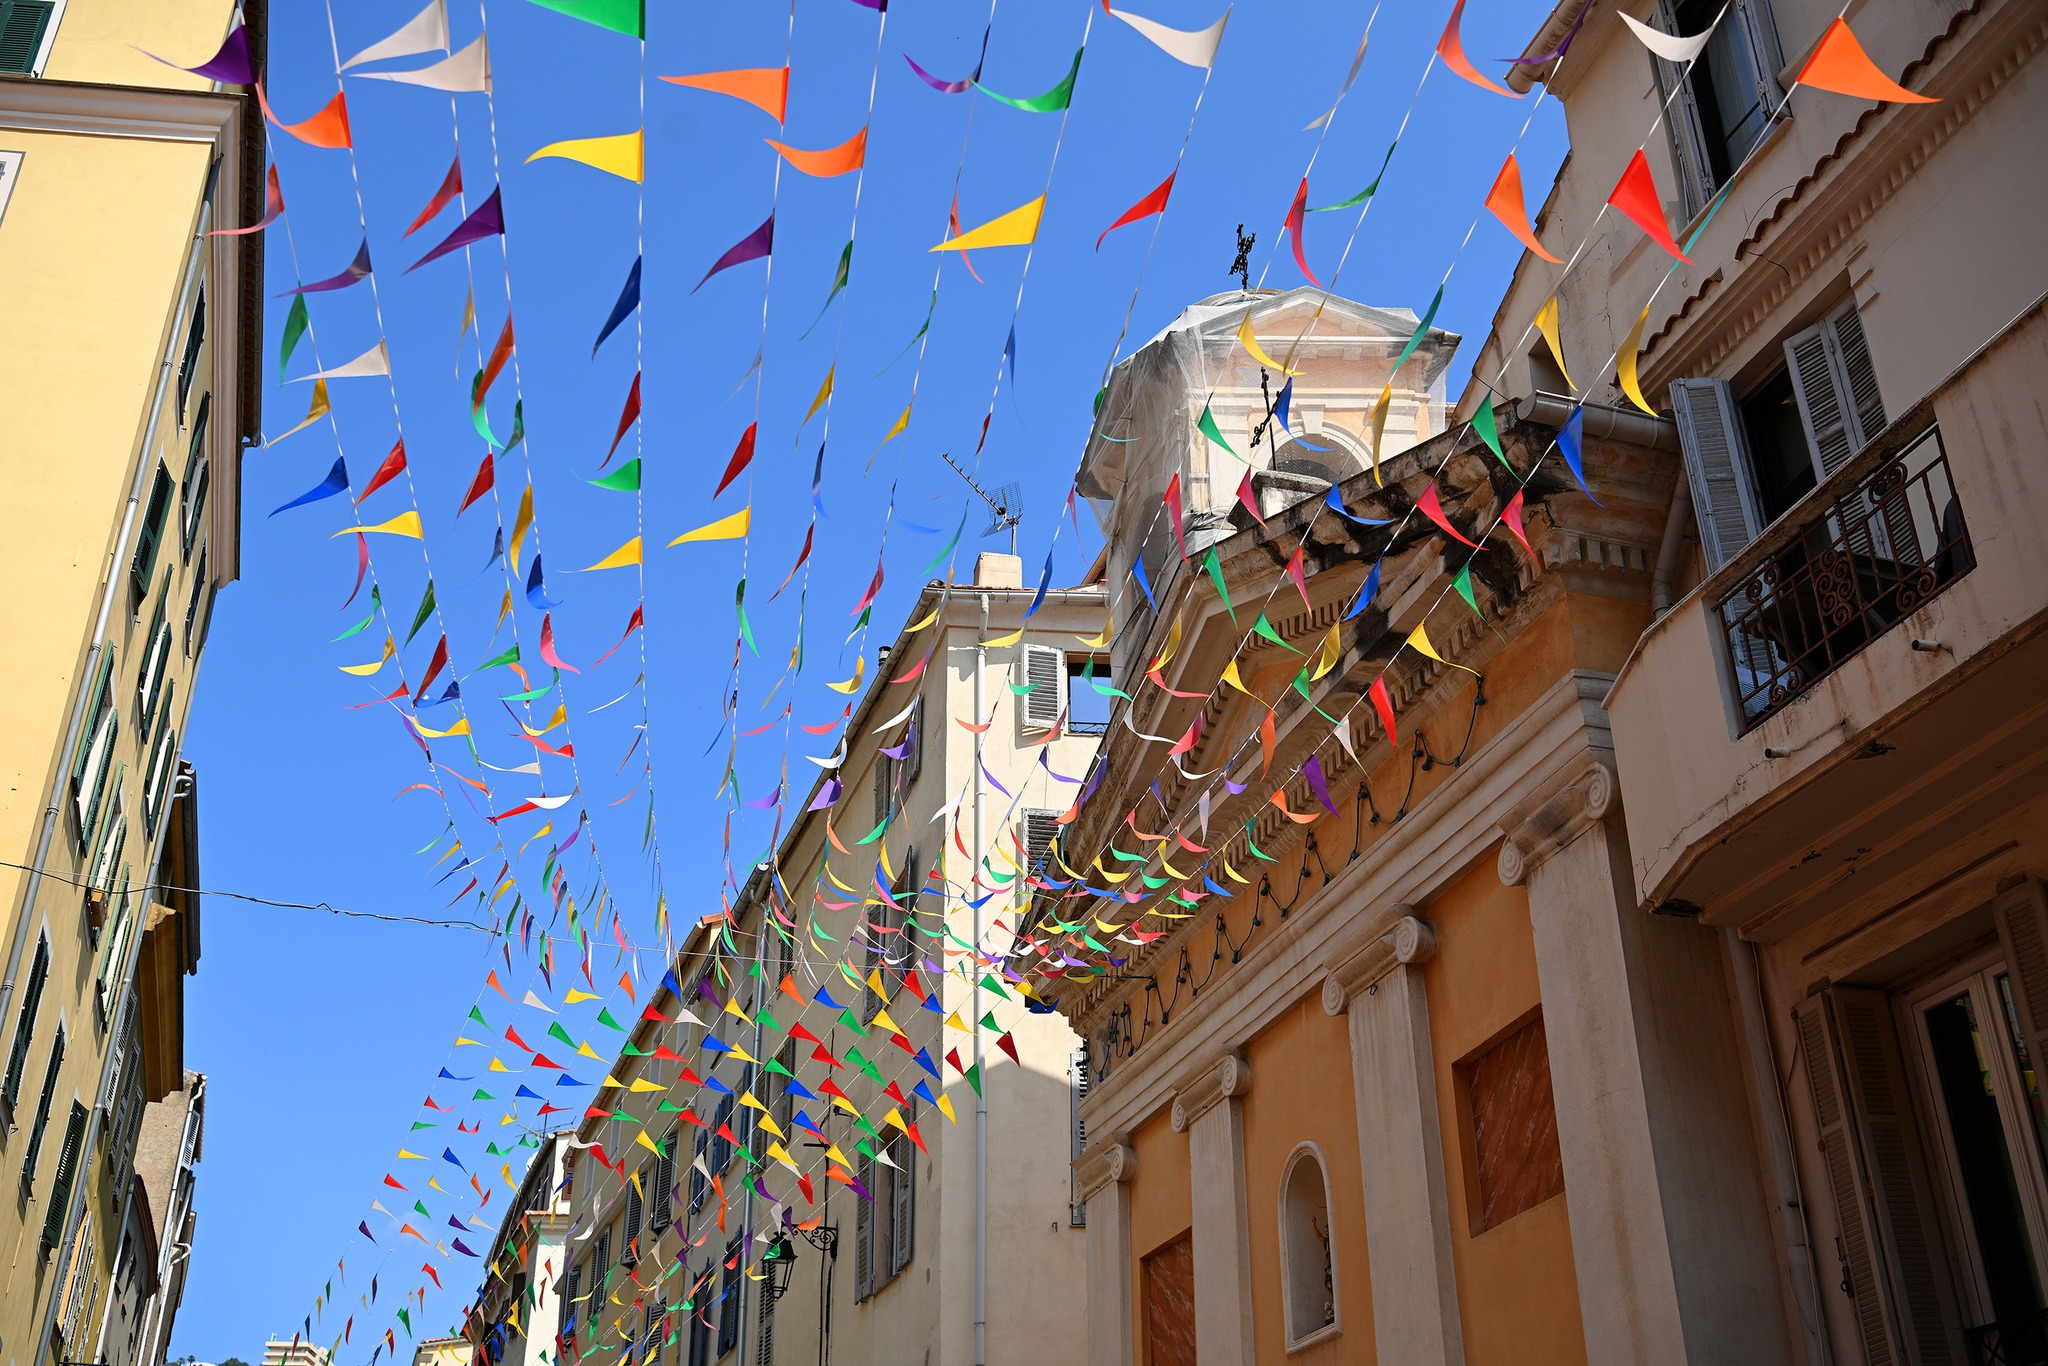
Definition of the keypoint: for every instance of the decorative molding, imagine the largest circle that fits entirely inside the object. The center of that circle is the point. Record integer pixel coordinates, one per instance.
(117, 110)
(1546, 823)
(1352, 973)
(1222, 1079)
(1103, 1165)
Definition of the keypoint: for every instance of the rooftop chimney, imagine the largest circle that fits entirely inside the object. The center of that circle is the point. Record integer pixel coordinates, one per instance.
(998, 571)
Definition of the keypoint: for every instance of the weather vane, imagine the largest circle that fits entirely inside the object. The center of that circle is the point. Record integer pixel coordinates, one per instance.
(1242, 266)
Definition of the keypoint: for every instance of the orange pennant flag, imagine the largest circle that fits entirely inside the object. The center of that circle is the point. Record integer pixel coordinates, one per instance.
(328, 128)
(1506, 203)
(764, 87)
(1840, 64)
(1452, 49)
(849, 155)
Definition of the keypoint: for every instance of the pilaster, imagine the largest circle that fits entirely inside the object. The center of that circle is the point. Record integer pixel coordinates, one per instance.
(1207, 1108)
(1105, 1171)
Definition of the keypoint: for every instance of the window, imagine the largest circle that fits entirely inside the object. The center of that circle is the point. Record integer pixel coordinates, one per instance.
(156, 788)
(93, 764)
(124, 1107)
(198, 472)
(188, 367)
(629, 1251)
(700, 1187)
(662, 1199)
(600, 1265)
(570, 1296)
(1077, 1091)
(149, 540)
(698, 1326)
(729, 1298)
(25, 1022)
(198, 607)
(80, 1279)
(10, 162)
(1038, 830)
(1307, 1261)
(1836, 385)
(1514, 1163)
(42, 1119)
(1089, 698)
(1045, 675)
(721, 1146)
(24, 25)
(156, 660)
(884, 1227)
(1725, 98)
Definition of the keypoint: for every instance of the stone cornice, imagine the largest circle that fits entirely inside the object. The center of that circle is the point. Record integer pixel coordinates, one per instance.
(1549, 820)
(131, 111)
(1220, 1079)
(1354, 969)
(1104, 1164)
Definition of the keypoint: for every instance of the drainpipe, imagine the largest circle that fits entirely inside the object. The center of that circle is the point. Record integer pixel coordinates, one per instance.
(1763, 1075)
(27, 916)
(974, 1001)
(1668, 548)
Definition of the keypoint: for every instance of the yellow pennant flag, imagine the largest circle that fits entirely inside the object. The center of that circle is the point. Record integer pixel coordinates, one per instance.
(461, 727)
(1010, 639)
(902, 423)
(497, 1066)
(1379, 428)
(1419, 640)
(627, 554)
(852, 685)
(1017, 228)
(1625, 363)
(1327, 660)
(953, 1022)
(1546, 323)
(560, 717)
(522, 523)
(404, 524)
(1254, 350)
(1236, 680)
(314, 411)
(644, 1141)
(1100, 641)
(913, 630)
(584, 1050)
(365, 670)
(724, 529)
(882, 1019)
(574, 996)
(642, 1084)
(824, 392)
(504, 610)
(619, 154)
(946, 1107)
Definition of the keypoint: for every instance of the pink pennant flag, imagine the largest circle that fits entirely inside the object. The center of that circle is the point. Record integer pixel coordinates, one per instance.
(1429, 506)
(1295, 217)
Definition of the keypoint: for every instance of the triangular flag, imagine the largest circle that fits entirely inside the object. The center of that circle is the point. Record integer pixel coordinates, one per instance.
(426, 31)
(724, 529)
(460, 73)
(1505, 201)
(1840, 64)
(1451, 48)
(316, 410)
(1152, 203)
(620, 16)
(620, 154)
(375, 361)
(1196, 48)
(1017, 228)
(764, 87)
(849, 155)
(1635, 194)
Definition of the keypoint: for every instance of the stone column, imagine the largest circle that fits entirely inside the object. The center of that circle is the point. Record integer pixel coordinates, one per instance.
(1206, 1109)
(1105, 1171)
(1668, 1213)
(1400, 1142)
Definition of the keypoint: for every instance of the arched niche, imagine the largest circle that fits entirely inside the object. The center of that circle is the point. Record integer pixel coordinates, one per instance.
(1308, 1250)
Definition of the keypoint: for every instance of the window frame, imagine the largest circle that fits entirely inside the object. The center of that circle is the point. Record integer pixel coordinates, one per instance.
(149, 538)
(41, 1124)
(1691, 157)
(45, 44)
(198, 480)
(1306, 1151)
(25, 1023)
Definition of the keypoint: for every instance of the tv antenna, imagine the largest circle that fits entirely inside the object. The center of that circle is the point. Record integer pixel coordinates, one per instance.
(1005, 505)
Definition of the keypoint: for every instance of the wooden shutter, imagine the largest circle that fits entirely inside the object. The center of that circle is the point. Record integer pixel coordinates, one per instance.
(664, 1182)
(149, 538)
(1724, 494)
(1888, 1241)
(1841, 410)
(22, 25)
(1045, 672)
(67, 1175)
(25, 1023)
(1077, 1089)
(630, 1254)
(198, 473)
(903, 1208)
(764, 1337)
(864, 1233)
(2023, 929)
(1040, 829)
(914, 760)
(1687, 133)
(188, 366)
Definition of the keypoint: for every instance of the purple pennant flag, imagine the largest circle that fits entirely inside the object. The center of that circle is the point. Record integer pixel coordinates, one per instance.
(899, 751)
(364, 1228)
(229, 66)
(752, 247)
(460, 1248)
(827, 795)
(356, 271)
(1313, 769)
(772, 799)
(488, 220)
(943, 87)
(1558, 51)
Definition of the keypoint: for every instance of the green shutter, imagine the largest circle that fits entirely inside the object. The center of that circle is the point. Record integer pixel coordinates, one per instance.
(194, 337)
(67, 1172)
(25, 1023)
(150, 539)
(42, 1120)
(98, 707)
(22, 25)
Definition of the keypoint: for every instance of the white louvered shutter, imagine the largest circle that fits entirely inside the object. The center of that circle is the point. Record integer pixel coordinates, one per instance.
(1724, 495)
(1684, 127)
(914, 760)
(1841, 410)
(1888, 1234)
(2023, 928)
(1045, 672)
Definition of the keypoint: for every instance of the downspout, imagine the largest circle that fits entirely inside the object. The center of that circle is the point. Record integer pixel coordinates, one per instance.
(1770, 1102)
(1669, 547)
(114, 581)
(974, 1001)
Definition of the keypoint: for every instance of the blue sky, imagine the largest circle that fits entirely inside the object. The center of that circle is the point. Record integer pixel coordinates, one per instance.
(321, 1034)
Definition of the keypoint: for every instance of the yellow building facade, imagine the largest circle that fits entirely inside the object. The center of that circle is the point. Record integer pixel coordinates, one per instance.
(127, 370)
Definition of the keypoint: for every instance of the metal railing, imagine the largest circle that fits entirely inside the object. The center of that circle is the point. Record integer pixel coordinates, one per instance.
(2013, 1342)
(1860, 563)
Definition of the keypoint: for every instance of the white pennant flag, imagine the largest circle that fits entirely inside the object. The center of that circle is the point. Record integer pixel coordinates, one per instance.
(533, 1000)
(375, 361)
(427, 32)
(466, 72)
(1356, 62)
(1196, 49)
(1670, 47)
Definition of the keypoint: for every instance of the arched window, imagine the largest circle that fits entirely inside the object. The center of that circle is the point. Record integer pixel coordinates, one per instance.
(1308, 1259)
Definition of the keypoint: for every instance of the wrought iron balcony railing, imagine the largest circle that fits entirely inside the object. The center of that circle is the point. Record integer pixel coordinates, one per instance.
(2012, 1342)
(1852, 567)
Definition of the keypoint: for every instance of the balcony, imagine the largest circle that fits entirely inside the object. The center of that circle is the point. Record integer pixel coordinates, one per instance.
(1856, 696)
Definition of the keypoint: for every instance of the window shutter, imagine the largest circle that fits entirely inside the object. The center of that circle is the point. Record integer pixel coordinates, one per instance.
(1841, 410)
(664, 1182)
(2023, 928)
(22, 25)
(42, 1120)
(25, 1023)
(630, 1253)
(864, 1233)
(1045, 672)
(198, 470)
(1041, 828)
(67, 1174)
(699, 1187)
(188, 366)
(1868, 1142)
(903, 1207)
(764, 1338)
(914, 760)
(1687, 132)
(1077, 1084)
(149, 537)
(1724, 496)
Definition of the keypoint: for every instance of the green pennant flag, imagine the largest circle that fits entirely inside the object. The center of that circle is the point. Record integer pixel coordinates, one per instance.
(846, 1018)
(1264, 628)
(739, 603)
(1051, 102)
(518, 426)
(482, 1094)
(1484, 423)
(510, 656)
(988, 1022)
(1252, 844)
(629, 1050)
(1367, 193)
(839, 278)
(1421, 329)
(419, 618)
(973, 1076)
(419, 1124)
(295, 324)
(620, 16)
(1215, 572)
(555, 1031)
(763, 1017)
(923, 328)
(478, 1016)
(774, 1065)
(535, 694)
(1463, 583)
(1206, 425)
(604, 1017)
(624, 479)
(478, 418)
(988, 980)
(376, 602)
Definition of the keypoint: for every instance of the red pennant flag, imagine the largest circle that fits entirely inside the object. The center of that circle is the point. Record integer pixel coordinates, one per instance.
(1173, 510)
(500, 353)
(430, 1271)
(1384, 705)
(393, 465)
(451, 186)
(513, 1035)
(1249, 497)
(1295, 217)
(1294, 571)
(632, 411)
(392, 1181)
(1008, 1045)
(1512, 515)
(633, 623)
(742, 456)
(362, 565)
(953, 230)
(1429, 506)
(434, 667)
(273, 206)
(478, 486)
(1635, 194)
(1152, 203)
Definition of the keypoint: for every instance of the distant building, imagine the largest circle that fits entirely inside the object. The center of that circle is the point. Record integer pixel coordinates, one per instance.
(292, 1352)
(445, 1351)
(128, 376)
(517, 1312)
